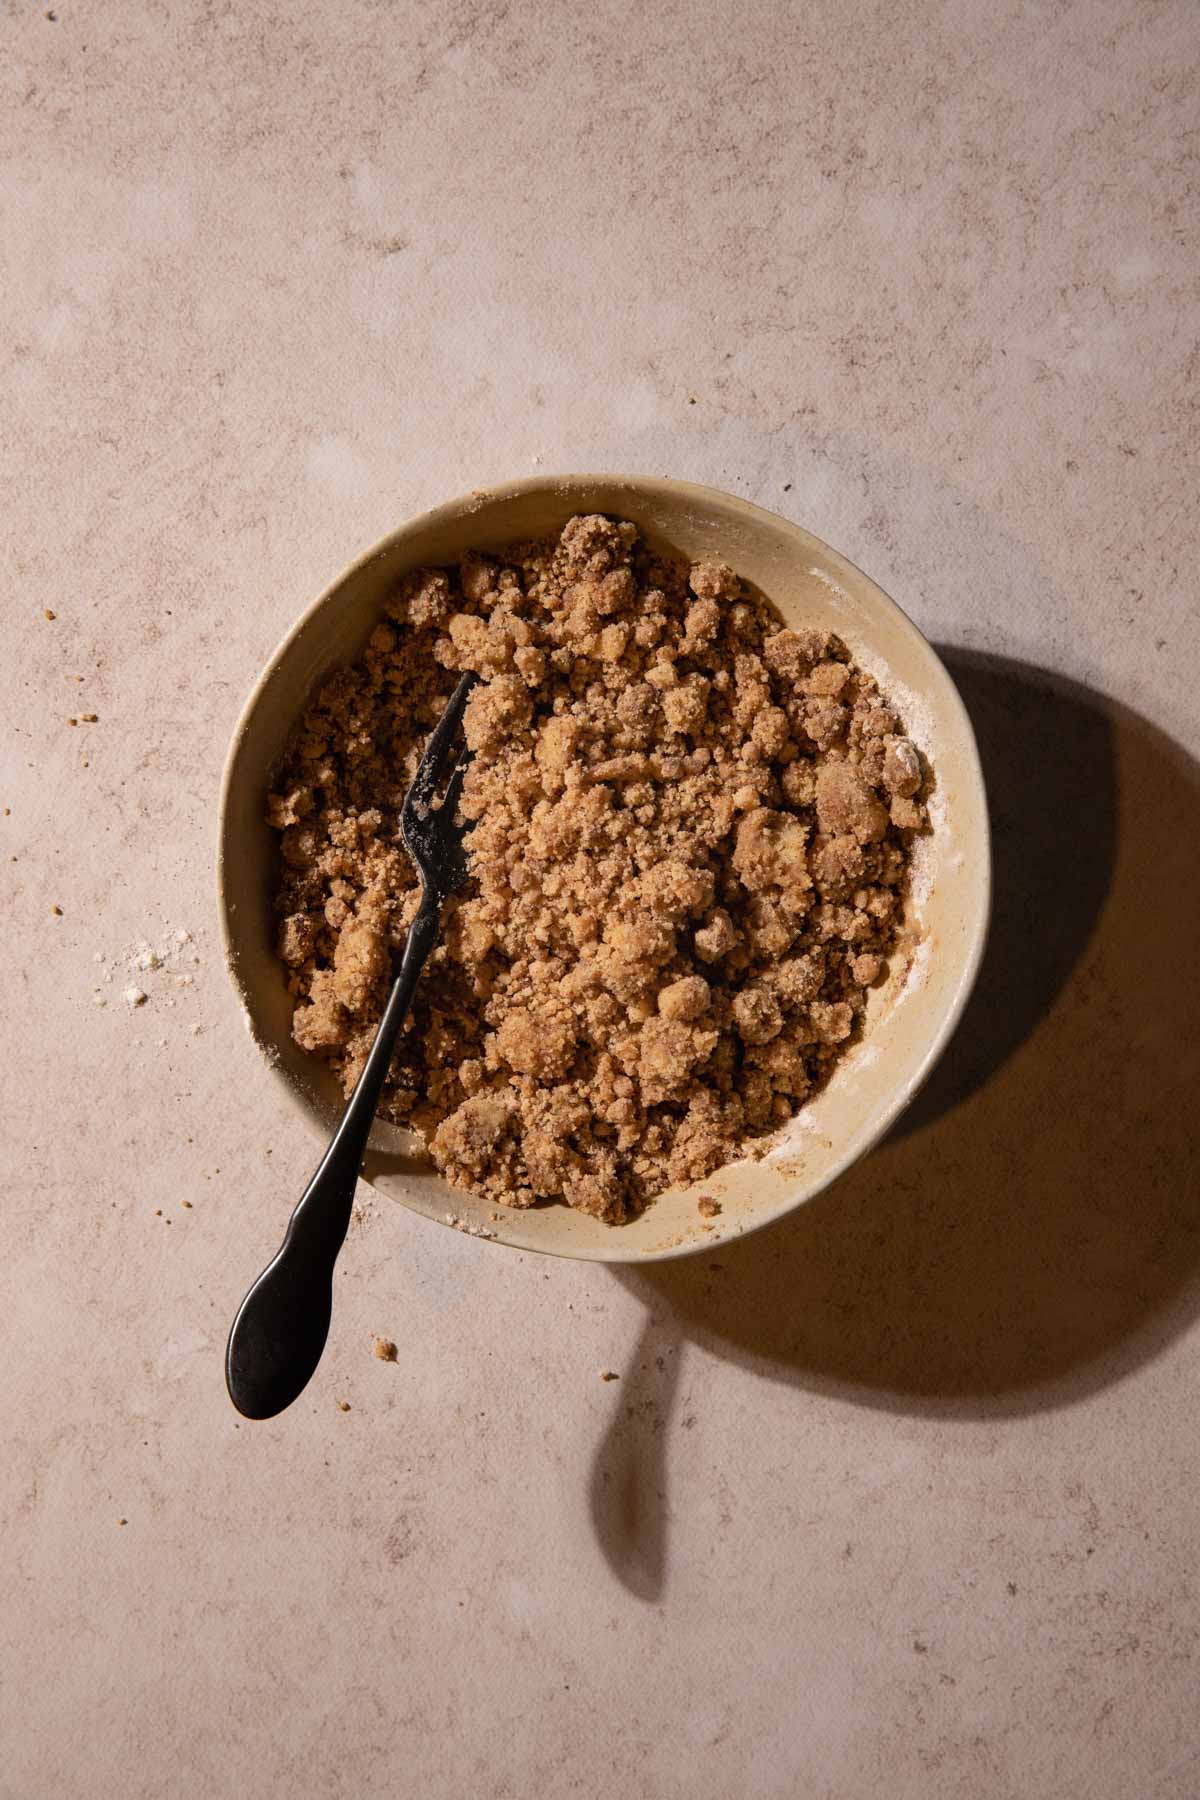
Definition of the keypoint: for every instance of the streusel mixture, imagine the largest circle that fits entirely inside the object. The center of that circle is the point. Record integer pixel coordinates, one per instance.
(689, 864)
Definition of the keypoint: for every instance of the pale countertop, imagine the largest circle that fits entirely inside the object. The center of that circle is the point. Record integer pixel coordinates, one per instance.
(902, 1497)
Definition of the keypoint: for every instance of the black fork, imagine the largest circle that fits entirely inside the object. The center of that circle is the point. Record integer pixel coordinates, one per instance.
(282, 1324)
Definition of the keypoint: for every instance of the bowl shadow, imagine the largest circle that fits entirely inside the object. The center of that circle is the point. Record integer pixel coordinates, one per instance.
(1030, 1230)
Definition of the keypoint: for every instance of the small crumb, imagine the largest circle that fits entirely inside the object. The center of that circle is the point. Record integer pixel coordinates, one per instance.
(89, 718)
(609, 1375)
(920, 1648)
(343, 1406)
(158, 1212)
(787, 487)
(57, 911)
(707, 1207)
(47, 614)
(186, 1203)
(122, 1521)
(7, 810)
(1012, 1587)
(134, 996)
(385, 1350)
(72, 721)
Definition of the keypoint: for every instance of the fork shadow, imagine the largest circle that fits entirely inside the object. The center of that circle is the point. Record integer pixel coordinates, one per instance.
(628, 1490)
(1030, 1231)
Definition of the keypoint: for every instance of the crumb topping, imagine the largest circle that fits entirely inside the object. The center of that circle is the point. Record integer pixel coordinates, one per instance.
(692, 837)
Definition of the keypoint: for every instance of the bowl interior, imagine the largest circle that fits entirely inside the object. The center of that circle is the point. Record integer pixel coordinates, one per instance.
(912, 1015)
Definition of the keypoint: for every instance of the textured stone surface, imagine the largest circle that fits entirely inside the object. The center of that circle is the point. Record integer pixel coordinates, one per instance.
(900, 1496)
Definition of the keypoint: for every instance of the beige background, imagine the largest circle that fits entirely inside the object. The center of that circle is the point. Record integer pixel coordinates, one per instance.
(899, 1497)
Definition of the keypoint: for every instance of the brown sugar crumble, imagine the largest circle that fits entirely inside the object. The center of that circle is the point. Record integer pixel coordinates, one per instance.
(707, 1207)
(385, 1350)
(689, 863)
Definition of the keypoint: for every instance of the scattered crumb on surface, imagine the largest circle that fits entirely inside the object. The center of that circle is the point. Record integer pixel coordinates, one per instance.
(385, 1350)
(609, 1375)
(57, 911)
(343, 1406)
(135, 996)
(186, 1203)
(47, 614)
(707, 1207)
(89, 718)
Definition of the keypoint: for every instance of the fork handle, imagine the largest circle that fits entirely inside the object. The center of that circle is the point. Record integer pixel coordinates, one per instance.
(281, 1325)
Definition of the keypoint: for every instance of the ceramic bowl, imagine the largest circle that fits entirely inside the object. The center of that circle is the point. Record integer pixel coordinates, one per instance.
(911, 1016)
